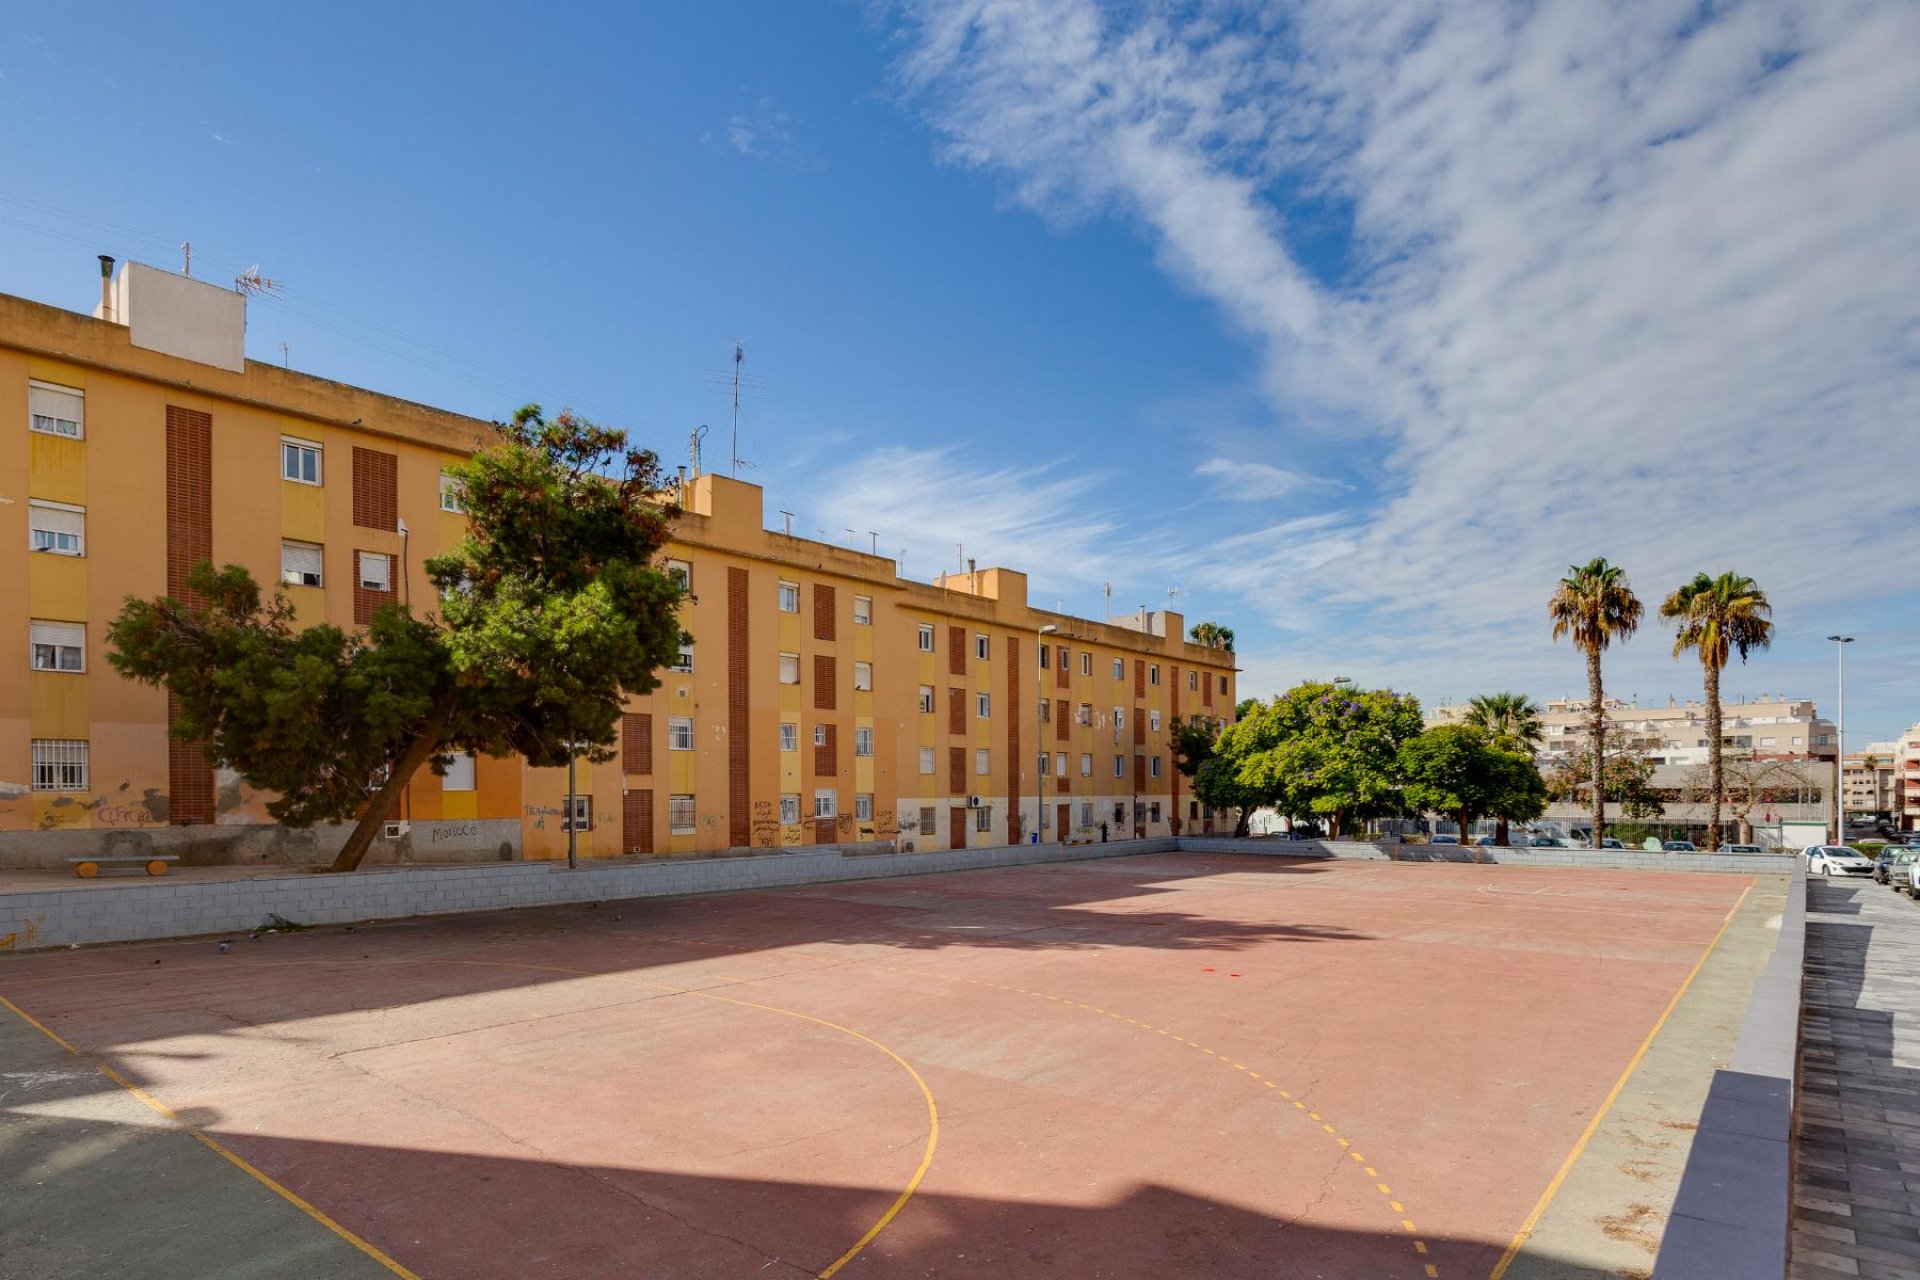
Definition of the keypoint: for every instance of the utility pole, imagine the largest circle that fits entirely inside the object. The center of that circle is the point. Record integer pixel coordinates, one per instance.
(1840, 741)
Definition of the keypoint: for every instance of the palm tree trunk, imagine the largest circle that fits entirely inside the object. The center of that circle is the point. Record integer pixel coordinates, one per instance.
(1715, 765)
(1500, 832)
(1598, 734)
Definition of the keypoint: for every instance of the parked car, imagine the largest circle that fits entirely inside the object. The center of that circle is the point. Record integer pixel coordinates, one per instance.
(1891, 866)
(1608, 842)
(1743, 848)
(1544, 842)
(1913, 879)
(1678, 846)
(1838, 860)
(1444, 840)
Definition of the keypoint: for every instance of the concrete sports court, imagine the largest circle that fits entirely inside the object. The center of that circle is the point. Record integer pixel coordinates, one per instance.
(1163, 1065)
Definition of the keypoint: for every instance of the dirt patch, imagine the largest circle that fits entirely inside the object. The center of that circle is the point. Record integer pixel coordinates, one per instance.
(1639, 1225)
(1642, 1170)
(1685, 1126)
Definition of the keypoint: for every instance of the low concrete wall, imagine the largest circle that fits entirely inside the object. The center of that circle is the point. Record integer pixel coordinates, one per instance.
(264, 844)
(184, 908)
(1766, 864)
(1733, 1214)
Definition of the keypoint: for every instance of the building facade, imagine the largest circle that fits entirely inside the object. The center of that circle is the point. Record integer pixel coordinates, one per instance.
(824, 699)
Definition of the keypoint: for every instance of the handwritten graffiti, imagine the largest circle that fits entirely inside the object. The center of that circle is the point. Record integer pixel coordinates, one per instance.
(540, 811)
(453, 831)
(765, 825)
(123, 815)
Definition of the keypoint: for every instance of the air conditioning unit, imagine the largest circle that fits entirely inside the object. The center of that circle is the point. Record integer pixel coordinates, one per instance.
(394, 830)
(976, 802)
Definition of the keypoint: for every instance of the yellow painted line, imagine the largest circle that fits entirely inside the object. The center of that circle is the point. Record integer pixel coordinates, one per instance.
(1371, 1173)
(1343, 1142)
(1432, 1274)
(1385, 1190)
(1419, 1246)
(1411, 1229)
(1357, 1157)
(1285, 1094)
(163, 1109)
(1593, 1126)
(1329, 1128)
(1397, 1206)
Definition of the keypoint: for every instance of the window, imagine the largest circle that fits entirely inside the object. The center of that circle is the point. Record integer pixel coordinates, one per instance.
(981, 647)
(790, 808)
(301, 564)
(982, 761)
(1060, 759)
(1193, 681)
(581, 819)
(926, 699)
(59, 646)
(1223, 684)
(1086, 764)
(863, 611)
(453, 494)
(863, 742)
(679, 733)
(376, 571)
(1086, 813)
(1119, 766)
(1153, 673)
(1086, 664)
(983, 705)
(863, 677)
(680, 815)
(1119, 813)
(863, 808)
(983, 819)
(929, 822)
(1153, 812)
(826, 803)
(1766, 742)
(789, 736)
(1119, 669)
(1153, 721)
(56, 528)
(1083, 714)
(789, 668)
(1046, 707)
(681, 572)
(684, 663)
(819, 735)
(56, 410)
(926, 638)
(1046, 651)
(1119, 719)
(300, 461)
(59, 764)
(1046, 764)
(789, 597)
(926, 759)
(1153, 766)
(459, 774)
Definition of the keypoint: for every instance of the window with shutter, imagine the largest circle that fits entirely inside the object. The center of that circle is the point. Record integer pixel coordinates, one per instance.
(56, 411)
(301, 564)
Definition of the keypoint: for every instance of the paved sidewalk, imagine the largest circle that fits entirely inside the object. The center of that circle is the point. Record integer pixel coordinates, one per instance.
(1857, 1184)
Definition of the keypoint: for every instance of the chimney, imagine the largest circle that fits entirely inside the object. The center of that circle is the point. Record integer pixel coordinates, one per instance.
(683, 482)
(969, 564)
(106, 287)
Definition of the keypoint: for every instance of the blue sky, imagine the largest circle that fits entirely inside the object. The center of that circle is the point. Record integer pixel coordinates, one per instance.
(1356, 322)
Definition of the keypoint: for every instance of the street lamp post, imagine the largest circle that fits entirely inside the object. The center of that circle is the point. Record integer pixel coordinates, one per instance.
(1039, 730)
(1840, 644)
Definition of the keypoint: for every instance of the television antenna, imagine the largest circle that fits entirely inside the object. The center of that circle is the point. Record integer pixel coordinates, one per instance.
(251, 282)
(694, 438)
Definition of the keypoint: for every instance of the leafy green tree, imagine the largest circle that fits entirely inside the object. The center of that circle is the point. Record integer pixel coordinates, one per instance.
(1628, 782)
(552, 613)
(1512, 721)
(1457, 770)
(1594, 604)
(1212, 635)
(1214, 785)
(1718, 617)
(1323, 750)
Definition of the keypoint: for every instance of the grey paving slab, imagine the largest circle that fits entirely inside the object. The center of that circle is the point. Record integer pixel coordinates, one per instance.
(1857, 1197)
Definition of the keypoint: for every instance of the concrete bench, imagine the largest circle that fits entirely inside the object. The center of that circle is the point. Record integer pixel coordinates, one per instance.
(87, 866)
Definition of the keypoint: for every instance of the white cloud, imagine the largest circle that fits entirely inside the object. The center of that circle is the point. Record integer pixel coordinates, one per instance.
(1633, 280)
(1254, 481)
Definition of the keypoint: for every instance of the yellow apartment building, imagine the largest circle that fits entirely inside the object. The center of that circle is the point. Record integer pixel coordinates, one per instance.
(824, 698)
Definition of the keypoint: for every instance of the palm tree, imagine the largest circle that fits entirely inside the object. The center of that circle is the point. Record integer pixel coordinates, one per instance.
(1718, 617)
(1511, 722)
(1593, 605)
(1212, 635)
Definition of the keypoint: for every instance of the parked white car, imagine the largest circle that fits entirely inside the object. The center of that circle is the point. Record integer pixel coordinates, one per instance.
(1838, 860)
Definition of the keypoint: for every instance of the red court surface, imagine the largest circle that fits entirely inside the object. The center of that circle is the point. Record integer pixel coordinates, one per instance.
(1147, 1066)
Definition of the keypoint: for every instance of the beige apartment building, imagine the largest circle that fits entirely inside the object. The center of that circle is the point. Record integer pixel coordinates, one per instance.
(824, 698)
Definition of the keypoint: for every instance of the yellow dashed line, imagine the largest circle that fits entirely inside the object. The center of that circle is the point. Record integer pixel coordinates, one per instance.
(1411, 1229)
(1371, 1173)
(1357, 1157)
(1432, 1274)
(1419, 1246)
(1385, 1190)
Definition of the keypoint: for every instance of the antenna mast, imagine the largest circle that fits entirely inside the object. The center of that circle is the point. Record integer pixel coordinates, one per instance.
(739, 358)
(693, 447)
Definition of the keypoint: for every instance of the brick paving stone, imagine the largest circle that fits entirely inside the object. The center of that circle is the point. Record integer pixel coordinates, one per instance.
(1857, 1194)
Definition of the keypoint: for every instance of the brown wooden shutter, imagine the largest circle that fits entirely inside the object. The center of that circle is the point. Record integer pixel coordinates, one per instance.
(1139, 677)
(956, 711)
(822, 611)
(739, 725)
(1139, 727)
(826, 754)
(1014, 766)
(1173, 675)
(1206, 688)
(1061, 675)
(636, 820)
(190, 788)
(376, 487)
(957, 770)
(956, 651)
(825, 695)
(636, 742)
(1139, 773)
(1060, 717)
